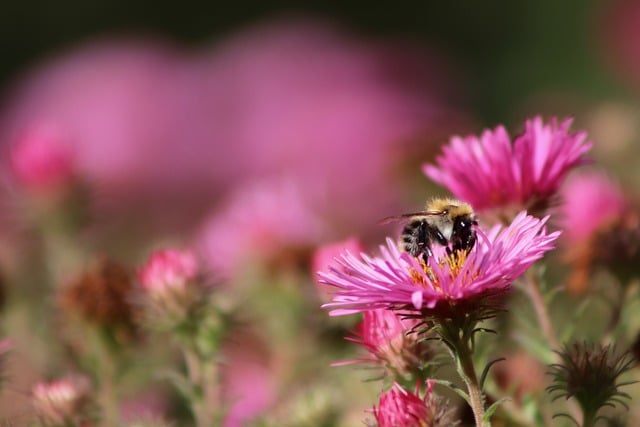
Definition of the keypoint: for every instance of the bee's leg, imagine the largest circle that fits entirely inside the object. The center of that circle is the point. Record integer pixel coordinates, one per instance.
(422, 238)
(427, 252)
(438, 236)
(471, 241)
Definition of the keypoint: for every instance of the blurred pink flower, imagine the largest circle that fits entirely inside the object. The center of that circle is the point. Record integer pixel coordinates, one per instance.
(396, 280)
(63, 401)
(325, 255)
(590, 200)
(168, 270)
(41, 160)
(259, 223)
(248, 380)
(601, 228)
(122, 105)
(148, 408)
(401, 408)
(294, 97)
(333, 111)
(491, 172)
(173, 287)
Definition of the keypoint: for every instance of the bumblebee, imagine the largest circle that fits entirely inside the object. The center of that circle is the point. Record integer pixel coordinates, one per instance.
(448, 222)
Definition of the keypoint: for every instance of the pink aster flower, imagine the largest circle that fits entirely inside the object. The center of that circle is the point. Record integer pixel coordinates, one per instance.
(168, 270)
(401, 408)
(601, 228)
(42, 161)
(390, 344)
(442, 284)
(261, 222)
(172, 281)
(492, 172)
(325, 256)
(590, 201)
(63, 401)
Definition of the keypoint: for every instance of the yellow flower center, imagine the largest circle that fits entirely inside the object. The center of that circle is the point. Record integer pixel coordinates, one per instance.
(455, 263)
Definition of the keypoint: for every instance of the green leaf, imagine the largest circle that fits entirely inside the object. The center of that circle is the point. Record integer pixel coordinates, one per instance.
(451, 386)
(537, 347)
(491, 409)
(486, 369)
(180, 382)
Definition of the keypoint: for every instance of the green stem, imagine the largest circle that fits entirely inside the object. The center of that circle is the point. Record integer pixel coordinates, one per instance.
(204, 380)
(532, 287)
(459, 344)
(614, 324)
(108, 392)
(470, 378)
(589, 419)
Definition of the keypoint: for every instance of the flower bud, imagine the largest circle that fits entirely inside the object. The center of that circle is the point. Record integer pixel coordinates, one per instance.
(62, 402)
(171, 281)
(401, 408)
(41, 162)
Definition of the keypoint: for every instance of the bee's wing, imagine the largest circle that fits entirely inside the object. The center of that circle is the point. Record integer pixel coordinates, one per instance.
(404, 216)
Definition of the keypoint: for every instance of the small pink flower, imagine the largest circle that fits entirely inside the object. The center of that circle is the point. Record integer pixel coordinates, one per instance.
(325, 256)
(389, 343)
(435, 287)
(601, 229)
(168, 270)
(61, 401)
(171, 280)
(401, 408)
(259, 223)
(41, 161)
(492, 172)
(590, 201)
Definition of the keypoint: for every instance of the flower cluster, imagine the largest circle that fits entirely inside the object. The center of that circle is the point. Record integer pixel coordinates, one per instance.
(446, 292)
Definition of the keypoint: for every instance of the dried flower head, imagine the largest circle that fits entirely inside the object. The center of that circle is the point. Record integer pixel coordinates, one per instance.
(590, 374)
(401, 408)
(443, 286)
(100, 296)
(392, 345)
(62, 402)
(491, 172)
